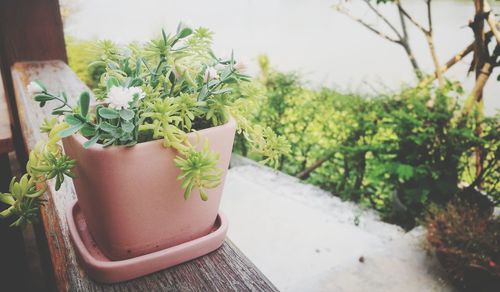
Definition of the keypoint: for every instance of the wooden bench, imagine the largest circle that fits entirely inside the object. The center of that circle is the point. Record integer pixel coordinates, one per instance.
(225, 269)
(6, 142)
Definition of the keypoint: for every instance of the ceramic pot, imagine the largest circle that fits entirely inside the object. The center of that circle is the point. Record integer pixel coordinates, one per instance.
(130, 196)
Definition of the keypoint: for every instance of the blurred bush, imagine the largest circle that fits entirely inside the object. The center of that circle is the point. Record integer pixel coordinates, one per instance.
(397, 153)
(81, 53)
(466, 241)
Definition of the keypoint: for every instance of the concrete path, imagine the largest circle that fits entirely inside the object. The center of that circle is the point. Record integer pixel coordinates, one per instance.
(304, 239)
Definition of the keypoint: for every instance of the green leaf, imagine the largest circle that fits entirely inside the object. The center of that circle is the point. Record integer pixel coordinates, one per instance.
(88, 130)
(224, 90)
(7, 212)
(107, 127)
(43, 98)
(164, 36)
(91, 141)
(112, 81)
(227, 71)
(127, 114)
(108, 113)
(84, 103)
(184, 32)
(404, 171)
(138, 67)
(203, 93)
(136, 82)
(72, 120)
(40, 84)
(188, 190)
(128, 127)
(109, 143)
(7, 199)
(71, 130)
(203, 195)
(57, 112)
(65, 97)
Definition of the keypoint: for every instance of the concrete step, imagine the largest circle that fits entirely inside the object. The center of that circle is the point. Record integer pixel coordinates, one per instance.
(306, 239)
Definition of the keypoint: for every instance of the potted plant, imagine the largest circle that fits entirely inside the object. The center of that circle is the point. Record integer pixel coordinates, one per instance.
(148, 158)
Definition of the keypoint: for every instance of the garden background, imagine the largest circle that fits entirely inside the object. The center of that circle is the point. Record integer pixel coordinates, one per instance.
(335, 79)
(344, 98)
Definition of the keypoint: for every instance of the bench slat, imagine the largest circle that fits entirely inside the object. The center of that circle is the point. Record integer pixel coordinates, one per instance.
(6, 144)
(225, 269)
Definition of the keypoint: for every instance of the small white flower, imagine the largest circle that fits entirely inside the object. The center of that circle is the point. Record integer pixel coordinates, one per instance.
(241, 65)
(34, 88)
(210, 73)
(120, 97)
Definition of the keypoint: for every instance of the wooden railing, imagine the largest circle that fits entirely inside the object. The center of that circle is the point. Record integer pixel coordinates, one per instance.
(225, 269)
(6, 144)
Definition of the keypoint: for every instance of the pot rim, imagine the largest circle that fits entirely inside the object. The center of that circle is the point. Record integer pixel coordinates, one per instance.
(99, 147)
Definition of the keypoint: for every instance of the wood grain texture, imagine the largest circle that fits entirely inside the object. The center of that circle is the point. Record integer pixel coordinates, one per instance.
(30, 30)
(225, 269)
(6, 144)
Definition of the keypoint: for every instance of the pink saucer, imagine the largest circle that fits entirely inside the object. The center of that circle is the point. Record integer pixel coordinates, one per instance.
(102, 269)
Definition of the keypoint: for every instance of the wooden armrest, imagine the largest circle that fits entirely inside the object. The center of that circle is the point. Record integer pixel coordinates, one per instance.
(6, 144)
(225, 269)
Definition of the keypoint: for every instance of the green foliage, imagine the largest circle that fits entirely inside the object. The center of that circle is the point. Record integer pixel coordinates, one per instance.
(179, 85)
(56, 166)
(46, 161)
(80, 55)
(23, 198)
(198, 169)
(164, 89)
(424, 159)
(397, 153)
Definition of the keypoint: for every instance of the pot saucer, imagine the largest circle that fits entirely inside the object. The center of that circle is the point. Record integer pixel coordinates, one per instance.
(104, 270)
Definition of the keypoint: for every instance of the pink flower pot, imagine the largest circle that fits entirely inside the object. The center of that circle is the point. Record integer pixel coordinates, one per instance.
(131, 199)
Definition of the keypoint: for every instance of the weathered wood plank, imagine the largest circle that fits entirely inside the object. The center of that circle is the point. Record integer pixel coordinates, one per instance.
(6, 144)
(225, 269)
(30, 30)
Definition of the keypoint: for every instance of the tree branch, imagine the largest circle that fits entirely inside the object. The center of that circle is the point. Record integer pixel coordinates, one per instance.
(428, 36)
(482, 77)
(405, 43)
(430, 42)
(452, 61)
(368, 26)
(381, 16)
(479, 177)
(429, 16)
(307, 172)
(410, 18)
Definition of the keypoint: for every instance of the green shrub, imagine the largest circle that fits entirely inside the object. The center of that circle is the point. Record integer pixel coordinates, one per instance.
(397, 153)
(80, 55)
(424, 160)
